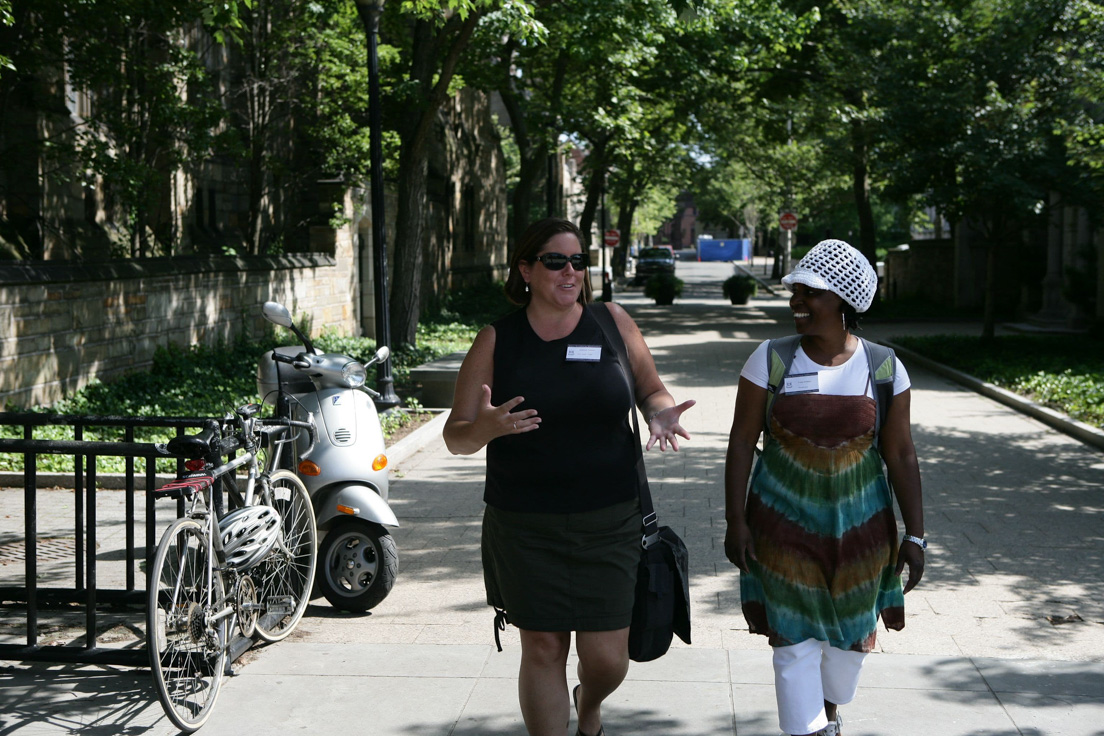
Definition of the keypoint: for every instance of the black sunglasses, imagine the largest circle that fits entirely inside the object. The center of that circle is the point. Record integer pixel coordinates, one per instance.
(556, 261)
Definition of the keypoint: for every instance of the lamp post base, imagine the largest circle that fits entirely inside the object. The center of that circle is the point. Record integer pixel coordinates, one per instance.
(387, 400)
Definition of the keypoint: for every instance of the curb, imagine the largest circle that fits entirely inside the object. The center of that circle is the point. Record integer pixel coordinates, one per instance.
(417, 440)
(1086, 433)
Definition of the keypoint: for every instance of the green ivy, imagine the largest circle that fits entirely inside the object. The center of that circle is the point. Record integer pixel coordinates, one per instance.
(1063, 372)
(200, 381)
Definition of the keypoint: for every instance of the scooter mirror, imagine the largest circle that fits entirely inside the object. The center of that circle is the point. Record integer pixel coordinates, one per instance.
(277, 314)
(382, 354)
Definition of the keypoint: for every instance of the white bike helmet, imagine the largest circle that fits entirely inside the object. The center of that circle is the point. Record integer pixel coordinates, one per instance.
(248, 534)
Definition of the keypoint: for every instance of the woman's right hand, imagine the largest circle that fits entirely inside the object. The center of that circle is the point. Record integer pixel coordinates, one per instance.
(503, 420)
(738, 546)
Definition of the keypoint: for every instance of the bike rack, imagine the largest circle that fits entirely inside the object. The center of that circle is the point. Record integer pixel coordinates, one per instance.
(84, 590)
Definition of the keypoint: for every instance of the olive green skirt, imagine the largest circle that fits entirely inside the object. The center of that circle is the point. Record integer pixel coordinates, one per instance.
(563, 572)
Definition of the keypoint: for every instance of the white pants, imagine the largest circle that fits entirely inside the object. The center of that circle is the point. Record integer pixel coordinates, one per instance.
(807, 674)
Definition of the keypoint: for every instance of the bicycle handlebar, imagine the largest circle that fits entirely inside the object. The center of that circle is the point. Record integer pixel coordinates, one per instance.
(288, 423)
(212, 442)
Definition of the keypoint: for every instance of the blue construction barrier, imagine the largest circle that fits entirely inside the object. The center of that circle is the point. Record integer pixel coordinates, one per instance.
(724, 250)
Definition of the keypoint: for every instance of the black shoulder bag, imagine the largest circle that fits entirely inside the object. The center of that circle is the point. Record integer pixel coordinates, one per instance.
(661, 607)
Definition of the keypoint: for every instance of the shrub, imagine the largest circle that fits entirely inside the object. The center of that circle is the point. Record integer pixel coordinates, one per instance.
(739, 287)
(664, 288)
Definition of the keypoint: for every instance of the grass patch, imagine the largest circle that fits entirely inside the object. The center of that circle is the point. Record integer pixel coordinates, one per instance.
(1063, 372)
(204, 381)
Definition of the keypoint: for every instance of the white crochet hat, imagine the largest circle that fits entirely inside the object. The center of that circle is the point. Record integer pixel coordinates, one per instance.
(835, 266)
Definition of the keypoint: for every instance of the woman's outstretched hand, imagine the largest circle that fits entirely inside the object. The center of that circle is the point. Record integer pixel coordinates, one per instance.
(502, 420)
(664, 427)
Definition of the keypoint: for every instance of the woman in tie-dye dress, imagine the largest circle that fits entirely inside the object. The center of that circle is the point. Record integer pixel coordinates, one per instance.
(814, 533)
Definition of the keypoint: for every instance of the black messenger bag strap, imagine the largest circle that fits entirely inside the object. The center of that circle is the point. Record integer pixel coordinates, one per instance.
(613, 337)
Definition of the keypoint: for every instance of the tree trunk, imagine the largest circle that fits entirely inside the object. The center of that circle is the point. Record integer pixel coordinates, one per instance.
(414, 132)
(868, 238)
(256, 196)
(534, 162)
(624, 225)
(989, 320)
(406, 284)
(596, 182)
(258, 112)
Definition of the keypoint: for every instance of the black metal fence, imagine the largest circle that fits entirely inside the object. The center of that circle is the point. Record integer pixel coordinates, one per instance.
(84, 591)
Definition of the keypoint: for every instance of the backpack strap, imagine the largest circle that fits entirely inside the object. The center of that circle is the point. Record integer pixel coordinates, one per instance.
(883, 369)
(780, 356)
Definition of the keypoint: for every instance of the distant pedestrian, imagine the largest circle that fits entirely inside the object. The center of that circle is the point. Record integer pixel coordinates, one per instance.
(543, 391)
(814, 535)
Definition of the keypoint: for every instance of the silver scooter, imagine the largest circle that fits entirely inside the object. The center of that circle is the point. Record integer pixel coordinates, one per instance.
(346, 470)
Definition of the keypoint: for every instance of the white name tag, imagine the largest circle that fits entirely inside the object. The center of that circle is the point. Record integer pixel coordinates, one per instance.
(802, 383)
(589, 353)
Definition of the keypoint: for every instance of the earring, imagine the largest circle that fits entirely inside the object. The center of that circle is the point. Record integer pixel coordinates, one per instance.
(526, 287)
(844, 318)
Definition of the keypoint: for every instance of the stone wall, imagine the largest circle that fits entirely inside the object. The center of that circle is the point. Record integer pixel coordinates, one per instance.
(467, 198)
(952, 273)
(63, 325)
(922, 268)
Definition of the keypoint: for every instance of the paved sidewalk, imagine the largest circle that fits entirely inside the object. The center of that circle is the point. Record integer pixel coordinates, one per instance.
(1013, 512)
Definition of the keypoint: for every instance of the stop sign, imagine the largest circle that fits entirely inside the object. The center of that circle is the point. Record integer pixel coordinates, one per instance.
(788, 221)
(611, 238)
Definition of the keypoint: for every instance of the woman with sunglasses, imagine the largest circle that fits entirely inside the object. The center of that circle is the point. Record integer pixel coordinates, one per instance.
(542, 390)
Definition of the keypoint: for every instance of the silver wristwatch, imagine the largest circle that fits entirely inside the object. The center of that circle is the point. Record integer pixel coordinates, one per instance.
(921, 543)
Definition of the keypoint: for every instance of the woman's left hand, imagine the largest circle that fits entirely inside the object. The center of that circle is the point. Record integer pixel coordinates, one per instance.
(664, 426)
(910, 554)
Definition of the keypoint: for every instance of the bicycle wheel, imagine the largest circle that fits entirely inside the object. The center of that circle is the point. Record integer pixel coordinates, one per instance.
(285, 576)
(187, 651)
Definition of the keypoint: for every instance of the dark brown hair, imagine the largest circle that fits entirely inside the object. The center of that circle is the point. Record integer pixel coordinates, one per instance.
(850, 316)
(532, 240)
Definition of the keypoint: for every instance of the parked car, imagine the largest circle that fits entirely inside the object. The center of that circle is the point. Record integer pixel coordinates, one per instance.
(650, 261)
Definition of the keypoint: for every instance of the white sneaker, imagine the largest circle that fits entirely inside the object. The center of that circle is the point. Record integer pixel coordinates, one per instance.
(832, 729)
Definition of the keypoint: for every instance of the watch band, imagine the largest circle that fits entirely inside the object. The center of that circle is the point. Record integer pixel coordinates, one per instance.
(921, 543)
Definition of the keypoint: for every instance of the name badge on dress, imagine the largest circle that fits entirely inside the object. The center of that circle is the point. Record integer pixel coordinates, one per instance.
(802, 383)
(587, 353)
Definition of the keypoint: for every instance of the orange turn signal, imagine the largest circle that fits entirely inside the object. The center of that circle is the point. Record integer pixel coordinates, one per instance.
(380, 462)
(347, 510)
(308, 467)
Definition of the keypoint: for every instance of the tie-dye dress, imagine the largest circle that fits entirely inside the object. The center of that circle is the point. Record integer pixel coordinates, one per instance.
(821, 516)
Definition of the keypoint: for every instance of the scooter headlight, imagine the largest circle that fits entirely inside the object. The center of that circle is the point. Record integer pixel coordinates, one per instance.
(354, 374)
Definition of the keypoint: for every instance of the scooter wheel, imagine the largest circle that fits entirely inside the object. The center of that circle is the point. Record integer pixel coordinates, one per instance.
(357, 565)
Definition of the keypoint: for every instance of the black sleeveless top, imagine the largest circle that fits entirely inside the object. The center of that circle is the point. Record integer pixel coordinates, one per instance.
(582, 458)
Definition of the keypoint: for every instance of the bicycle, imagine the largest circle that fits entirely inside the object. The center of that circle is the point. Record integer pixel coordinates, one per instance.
(255, 574)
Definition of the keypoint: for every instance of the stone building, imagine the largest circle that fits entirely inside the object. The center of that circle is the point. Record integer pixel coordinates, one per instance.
(79, 300)
(1051, 277)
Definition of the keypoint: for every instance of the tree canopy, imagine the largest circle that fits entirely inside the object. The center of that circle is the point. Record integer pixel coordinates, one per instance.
(989, 111)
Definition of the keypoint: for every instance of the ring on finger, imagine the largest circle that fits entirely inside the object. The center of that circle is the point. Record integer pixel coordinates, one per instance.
(515, 426)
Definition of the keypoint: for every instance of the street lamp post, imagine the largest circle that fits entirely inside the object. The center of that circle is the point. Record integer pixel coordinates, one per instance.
(370, 11)
(607, 287)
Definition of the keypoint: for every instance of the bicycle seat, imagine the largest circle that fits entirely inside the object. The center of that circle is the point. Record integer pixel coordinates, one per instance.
(193, 447)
